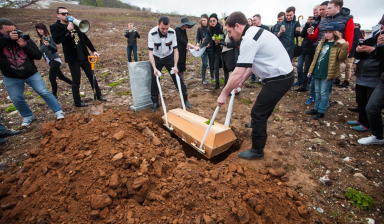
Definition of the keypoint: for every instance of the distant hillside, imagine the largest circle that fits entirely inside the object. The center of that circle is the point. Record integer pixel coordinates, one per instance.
(110, 4)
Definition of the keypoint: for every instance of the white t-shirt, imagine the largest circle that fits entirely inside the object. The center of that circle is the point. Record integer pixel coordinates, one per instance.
(267, 56)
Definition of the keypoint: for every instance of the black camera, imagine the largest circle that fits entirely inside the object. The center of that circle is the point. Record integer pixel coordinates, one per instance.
(22, 35)
(46, 38)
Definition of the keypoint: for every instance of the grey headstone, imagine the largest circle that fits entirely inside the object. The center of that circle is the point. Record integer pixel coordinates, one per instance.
(140, 75)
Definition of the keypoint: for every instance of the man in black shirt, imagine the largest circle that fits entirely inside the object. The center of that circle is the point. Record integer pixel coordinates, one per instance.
(75, 50)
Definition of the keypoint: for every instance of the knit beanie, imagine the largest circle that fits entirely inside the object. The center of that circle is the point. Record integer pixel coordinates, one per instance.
(214, 15)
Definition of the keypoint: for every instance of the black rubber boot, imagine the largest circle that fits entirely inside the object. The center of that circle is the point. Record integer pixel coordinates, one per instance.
(155, 101)
(257, 150)
(187, 104)
(217, 86)
(203, 72)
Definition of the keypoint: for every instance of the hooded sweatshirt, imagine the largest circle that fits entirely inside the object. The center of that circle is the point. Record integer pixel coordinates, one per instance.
(16, 61)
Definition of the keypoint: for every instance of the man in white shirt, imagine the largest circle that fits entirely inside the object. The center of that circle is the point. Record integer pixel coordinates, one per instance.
(162, 45)
(261, 53)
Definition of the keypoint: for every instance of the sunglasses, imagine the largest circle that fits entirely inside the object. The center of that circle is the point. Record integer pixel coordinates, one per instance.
(212, 21)
(64, 13)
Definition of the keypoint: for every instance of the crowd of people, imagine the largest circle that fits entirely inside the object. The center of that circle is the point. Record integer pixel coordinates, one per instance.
(245, 47)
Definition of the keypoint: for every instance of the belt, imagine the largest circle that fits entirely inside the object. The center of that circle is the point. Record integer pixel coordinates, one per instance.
(280, 77)
(165, 58)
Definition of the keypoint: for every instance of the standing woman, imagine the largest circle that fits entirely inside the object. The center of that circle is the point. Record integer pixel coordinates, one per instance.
(202, 32)
(182, 43)
(229, 54)
(216, 29)
(49, 50)
(250, 21)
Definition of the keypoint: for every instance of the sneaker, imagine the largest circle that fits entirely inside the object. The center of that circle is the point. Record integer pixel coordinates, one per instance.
(353, 122)
(371, 140)
(59, 115)
(344, 84)
(27, 121)
(336, 82)
(310, 100)
(301, 89)
(360, 128)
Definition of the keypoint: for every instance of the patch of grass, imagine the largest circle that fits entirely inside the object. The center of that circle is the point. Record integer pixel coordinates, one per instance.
(114, 84)
(209, 121)
(124, 93)
(42, 103)
(246, 101)
(38, 97)
(359, 200)
(2, 102)
(275, 109)
(104, 74)
(317, 162)
(28, 93)
(10, 108)
(221, 81)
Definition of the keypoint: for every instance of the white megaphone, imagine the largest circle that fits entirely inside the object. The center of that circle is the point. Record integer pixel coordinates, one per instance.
(83, 24)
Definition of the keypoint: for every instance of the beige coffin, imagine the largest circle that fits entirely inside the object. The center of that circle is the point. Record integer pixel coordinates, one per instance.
(191, 129)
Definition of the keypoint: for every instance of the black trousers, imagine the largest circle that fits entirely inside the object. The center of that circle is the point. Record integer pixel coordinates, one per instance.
(217, 67)
(54, 71)
(374, 107)
(269, 96)
(169, 63)
(307, 65)
(363, 93)
(74, 68)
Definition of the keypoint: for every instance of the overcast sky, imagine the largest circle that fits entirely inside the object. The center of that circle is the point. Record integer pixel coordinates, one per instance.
(367, 12)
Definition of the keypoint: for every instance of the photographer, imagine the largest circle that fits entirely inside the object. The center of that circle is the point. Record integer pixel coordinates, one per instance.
(131, 34)
(49, 49)
(17, 53)
(75, 50)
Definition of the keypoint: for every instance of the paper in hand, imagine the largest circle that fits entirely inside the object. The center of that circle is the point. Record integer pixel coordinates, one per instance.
(197, 54)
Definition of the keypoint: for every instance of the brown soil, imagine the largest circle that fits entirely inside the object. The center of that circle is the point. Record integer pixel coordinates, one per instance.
(111, 169)
(60, 180)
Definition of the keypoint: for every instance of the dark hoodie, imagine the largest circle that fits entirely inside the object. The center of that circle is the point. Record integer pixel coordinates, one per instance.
(287, 38)
(16, 61)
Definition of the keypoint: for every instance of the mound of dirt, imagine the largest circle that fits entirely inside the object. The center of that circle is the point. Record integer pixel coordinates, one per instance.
(121, 168)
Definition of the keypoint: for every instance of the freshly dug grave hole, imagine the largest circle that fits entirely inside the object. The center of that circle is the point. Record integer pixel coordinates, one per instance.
(119, 167)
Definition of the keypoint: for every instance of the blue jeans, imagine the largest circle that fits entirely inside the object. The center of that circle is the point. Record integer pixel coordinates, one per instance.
(312, 90)
(300, 68)
(322, 90)
(129, 52)
(207, 55)
(15, 89)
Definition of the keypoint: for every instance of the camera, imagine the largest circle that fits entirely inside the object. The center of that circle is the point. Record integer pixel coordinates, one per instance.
(22, 35)
(46, 38)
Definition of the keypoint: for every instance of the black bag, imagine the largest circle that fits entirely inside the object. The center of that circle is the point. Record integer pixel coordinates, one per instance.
(298, 49)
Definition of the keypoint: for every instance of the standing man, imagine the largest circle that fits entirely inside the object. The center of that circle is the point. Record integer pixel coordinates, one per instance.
(162, 45)
(131, 34)
(75, 50)
(335, 13)
(257, 22)
(17, 65)
(280, 18)
(261, 53)
(287, 30)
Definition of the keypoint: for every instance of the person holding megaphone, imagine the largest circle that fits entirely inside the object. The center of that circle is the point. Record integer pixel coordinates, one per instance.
(75, 43)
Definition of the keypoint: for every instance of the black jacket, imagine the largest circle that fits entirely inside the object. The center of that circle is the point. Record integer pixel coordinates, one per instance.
(307, 46)
(61, 35)
(356, 36)
(16, 61)
(131, 37)
(368, 66)
(50, 50)
(229, 58)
